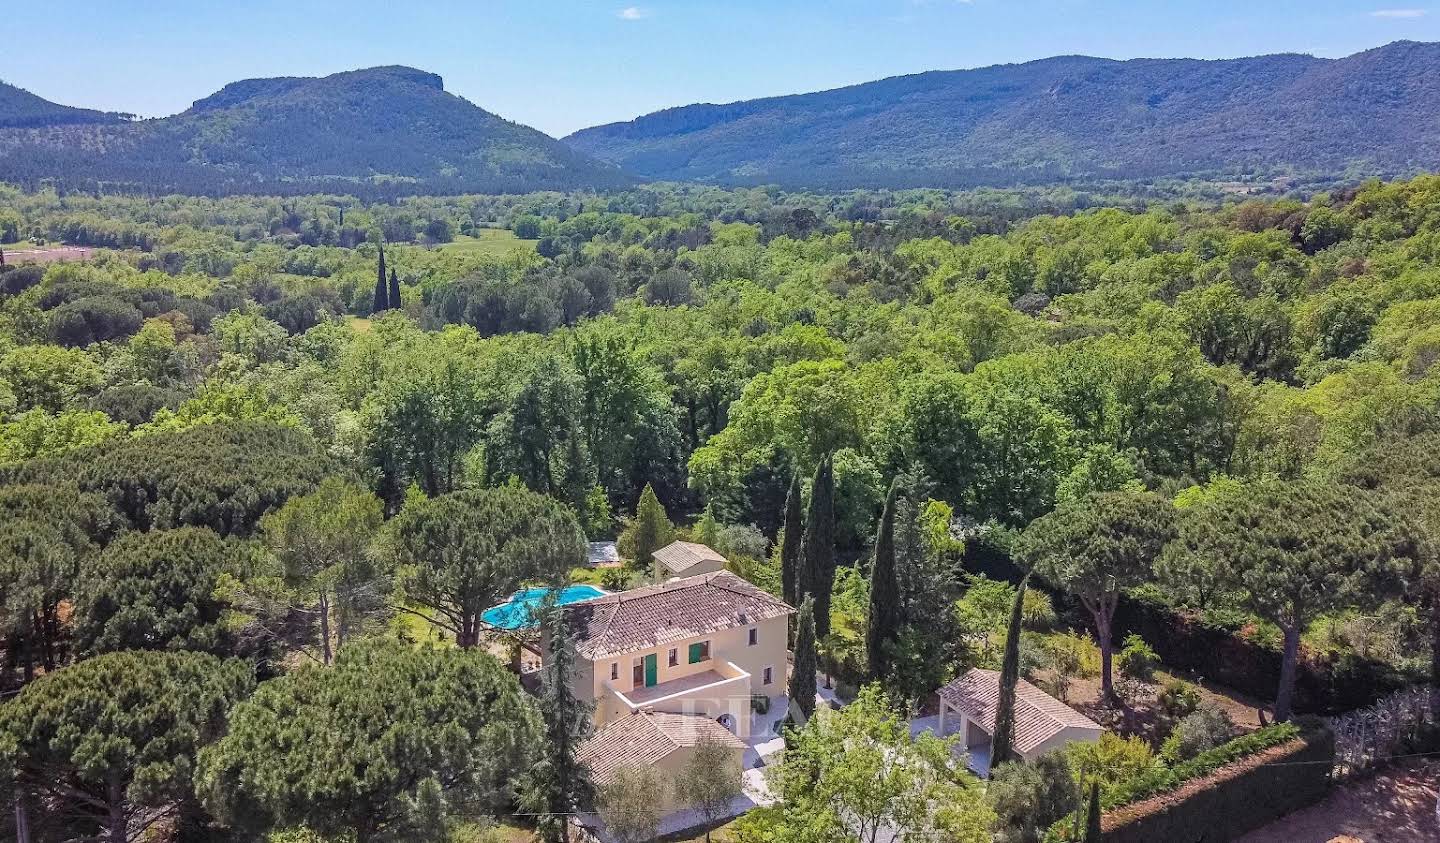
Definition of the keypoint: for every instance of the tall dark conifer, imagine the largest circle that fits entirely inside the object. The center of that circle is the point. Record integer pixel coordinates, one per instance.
(1093, 833)
(394, 289)
(802, 672)
(1002, 747)
(884, 618)
(559, 784)
(790, 558)
(819, 550)
(382, 297)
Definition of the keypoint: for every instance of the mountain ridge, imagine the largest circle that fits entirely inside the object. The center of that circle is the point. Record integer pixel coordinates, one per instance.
(1054, 118)
(378, 131)
(20, 109)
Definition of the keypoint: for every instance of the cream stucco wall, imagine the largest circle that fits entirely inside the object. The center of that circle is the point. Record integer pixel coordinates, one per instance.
(730, 646)
(673, 765)
(1068, 735)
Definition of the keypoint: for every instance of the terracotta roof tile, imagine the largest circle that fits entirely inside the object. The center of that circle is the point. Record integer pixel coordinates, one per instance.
(1038, 716)
(643, 739)
(679, 557)
(648, 617)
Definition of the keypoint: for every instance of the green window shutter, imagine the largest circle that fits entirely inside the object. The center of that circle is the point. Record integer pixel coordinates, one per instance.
(696, 651)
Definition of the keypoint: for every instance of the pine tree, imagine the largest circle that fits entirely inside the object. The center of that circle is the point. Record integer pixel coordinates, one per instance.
(1092, 816)
(802, 673)
(559, 783)
(883, 620)
(382, 298)
(790, 558)
(394, 289)
(819, 545)
(1002, 747)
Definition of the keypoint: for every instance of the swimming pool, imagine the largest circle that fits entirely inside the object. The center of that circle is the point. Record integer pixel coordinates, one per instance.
(515, 613)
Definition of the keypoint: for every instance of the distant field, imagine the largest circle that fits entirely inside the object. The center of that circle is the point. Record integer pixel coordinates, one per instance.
(490, 241)
(34, 254)
(360, 324)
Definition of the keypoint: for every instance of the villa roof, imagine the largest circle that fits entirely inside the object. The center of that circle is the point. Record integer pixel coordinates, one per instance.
(679, 557)
(648, 617)
(645, 738)
(1038, 716)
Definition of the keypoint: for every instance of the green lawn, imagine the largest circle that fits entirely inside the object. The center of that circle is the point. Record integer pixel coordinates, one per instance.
(490, 241)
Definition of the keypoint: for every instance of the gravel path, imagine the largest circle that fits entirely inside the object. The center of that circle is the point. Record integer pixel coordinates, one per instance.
(1396, 806)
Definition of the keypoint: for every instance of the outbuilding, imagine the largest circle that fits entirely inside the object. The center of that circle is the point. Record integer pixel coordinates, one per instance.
(1042, 723)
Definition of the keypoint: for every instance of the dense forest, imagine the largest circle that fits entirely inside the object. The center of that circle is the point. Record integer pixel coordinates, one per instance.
(250, 437)
(1064, 117)
(379, 132)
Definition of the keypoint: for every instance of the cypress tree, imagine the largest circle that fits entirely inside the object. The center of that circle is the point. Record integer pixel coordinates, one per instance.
(394, 289)
(802, 674)
(382, 299)
(1002, 747)
(791, 546)
(883, 620)
(819, 545)
(652, 530)
(1092, 816)
(559, 784)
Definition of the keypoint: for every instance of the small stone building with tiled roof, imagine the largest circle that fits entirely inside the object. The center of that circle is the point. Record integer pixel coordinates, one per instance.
(660, 740)
(697, 645)
(687, 559)
(1042, 723)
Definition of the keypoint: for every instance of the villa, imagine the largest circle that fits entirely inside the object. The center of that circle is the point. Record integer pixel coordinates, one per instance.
(702, 645)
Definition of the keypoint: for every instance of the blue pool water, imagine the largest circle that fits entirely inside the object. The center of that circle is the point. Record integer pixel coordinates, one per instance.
(515, 612)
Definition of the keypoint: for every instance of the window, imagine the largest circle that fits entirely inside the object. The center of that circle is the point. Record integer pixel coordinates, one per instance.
(769, 676)
(674, 656)
(615, 670)
(754, 636)
(699, 652)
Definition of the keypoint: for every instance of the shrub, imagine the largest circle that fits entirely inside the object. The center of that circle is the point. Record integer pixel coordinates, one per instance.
(1029, 798)
(1112, 760)
(1077, 650)
(759, 703)
(1177, 700)
(1137, 659)
(1199, 731)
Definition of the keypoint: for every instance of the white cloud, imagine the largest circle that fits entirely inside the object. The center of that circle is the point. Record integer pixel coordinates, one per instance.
(632, 13)
(1399, 13)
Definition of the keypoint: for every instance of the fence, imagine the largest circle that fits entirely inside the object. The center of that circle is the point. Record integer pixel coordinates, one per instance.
(1365, 738)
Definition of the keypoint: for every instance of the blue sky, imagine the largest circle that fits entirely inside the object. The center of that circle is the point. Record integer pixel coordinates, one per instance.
(560, 65)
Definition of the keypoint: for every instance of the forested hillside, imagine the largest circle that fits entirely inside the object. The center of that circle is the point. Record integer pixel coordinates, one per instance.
(21, 109)
(264, 459)
(380, 131)
(1064, 117)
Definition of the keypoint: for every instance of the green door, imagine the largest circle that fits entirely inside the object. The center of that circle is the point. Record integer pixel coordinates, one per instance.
(650, 671)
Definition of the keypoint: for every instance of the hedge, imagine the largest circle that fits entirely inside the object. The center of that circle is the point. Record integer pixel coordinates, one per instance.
(1212, 650)
(1219, 653)
(1220, 794)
